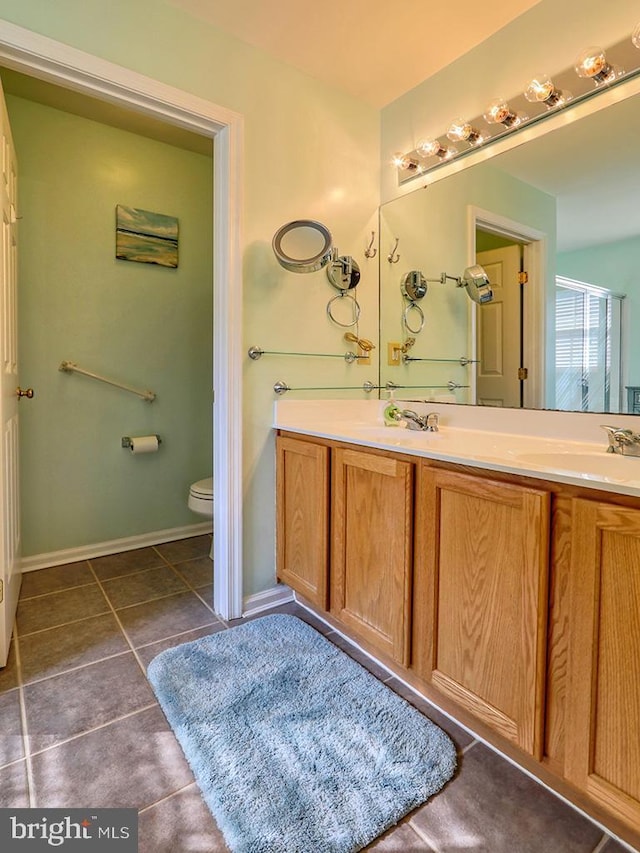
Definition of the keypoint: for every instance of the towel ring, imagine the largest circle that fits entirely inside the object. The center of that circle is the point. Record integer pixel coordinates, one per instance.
(355, 306)
(405, 318)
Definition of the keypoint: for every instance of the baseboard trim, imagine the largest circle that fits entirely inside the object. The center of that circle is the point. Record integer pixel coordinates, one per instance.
(101, 549)
(280, 594)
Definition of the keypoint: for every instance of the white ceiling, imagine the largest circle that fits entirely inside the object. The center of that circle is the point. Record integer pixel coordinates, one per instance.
(372, 49)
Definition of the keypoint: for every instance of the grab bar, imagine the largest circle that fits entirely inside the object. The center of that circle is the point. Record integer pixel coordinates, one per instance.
(71, 367)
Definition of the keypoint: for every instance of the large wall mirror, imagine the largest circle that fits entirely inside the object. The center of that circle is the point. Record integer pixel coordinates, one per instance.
(565, 209)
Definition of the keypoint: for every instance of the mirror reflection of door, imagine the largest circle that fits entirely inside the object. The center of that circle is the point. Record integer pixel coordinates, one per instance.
(499, 339)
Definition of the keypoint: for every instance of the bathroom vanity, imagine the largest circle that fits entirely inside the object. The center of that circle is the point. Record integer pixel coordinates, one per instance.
(496, 573)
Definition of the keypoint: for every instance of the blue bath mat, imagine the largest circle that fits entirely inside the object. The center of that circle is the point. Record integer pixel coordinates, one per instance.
(295, 747)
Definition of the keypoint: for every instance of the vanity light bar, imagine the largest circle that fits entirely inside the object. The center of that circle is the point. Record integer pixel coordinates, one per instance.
(593, 71)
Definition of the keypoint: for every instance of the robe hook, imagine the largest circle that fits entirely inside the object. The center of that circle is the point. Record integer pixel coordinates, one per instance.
(370, 252)
(393, 257)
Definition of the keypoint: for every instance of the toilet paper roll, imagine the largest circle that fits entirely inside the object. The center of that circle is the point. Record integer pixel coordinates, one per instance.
(144, 444)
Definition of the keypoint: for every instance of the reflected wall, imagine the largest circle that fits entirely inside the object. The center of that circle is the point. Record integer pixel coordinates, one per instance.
(435, 234)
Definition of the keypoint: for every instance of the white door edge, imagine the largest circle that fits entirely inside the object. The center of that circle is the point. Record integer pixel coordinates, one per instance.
(47, 59)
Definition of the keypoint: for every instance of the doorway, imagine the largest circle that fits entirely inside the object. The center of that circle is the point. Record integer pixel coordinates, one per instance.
(499, 350)
(34, 55)
(508, 339)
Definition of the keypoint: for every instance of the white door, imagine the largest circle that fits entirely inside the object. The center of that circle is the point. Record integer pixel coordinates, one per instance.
(10, 574)
(499, 330)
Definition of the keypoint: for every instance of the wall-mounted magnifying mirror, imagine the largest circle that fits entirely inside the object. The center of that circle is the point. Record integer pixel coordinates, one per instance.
(343, 272)
(476, 282)
(413, 285)
(306, 246)
(303, 246)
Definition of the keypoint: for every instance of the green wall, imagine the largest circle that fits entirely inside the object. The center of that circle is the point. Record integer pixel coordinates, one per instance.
(433, 229)
(145, 325)
(310, 151)
(614, 266)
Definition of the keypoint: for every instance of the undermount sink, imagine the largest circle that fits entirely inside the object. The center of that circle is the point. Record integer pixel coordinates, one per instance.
(601, 464)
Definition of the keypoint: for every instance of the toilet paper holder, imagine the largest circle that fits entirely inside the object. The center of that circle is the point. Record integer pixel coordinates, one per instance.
(127, 442)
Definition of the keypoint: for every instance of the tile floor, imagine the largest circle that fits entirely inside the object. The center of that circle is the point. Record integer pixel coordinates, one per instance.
(81, 726)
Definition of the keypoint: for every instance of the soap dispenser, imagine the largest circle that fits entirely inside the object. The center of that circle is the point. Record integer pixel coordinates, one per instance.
(391, 412)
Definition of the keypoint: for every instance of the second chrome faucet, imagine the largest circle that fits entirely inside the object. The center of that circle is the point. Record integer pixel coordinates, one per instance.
(622, 441)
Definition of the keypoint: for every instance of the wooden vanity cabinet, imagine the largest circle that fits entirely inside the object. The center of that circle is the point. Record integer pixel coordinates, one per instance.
(602, 744)
(371, 548)
(517, 600)
(364, 500)
(302, 518)
(480, 598)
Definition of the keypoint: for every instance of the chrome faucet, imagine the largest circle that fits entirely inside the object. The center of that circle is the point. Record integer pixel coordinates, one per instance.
(426, 423)
(433, 422)
(623, 441)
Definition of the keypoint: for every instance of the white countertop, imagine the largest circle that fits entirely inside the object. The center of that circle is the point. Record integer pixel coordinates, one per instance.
(548, 457)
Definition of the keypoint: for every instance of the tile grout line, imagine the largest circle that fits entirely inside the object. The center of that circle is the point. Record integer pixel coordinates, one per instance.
(169, 797)
(119, 623)
(149, 600)
(185, 580)
(23, 721)
(77, 668)
(64, 624)
(105, 725)
(121, 626)
(424, 837)
(24, 598)
(175, 636)
(601, 844)
(208, 606)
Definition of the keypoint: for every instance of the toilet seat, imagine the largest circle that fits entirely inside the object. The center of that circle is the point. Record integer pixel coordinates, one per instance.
(201, 497)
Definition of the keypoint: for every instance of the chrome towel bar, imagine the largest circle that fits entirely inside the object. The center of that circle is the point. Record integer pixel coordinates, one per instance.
(255, 353)
(71, 367)
(281, 387)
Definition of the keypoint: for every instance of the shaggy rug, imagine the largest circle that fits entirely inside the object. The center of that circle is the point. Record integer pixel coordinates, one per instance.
(296, 748)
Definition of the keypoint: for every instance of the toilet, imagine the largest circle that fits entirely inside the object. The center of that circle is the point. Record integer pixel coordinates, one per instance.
(201, 500)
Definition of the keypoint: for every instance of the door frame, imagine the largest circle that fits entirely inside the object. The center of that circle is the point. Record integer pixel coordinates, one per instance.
(50, 60)
(535, 246)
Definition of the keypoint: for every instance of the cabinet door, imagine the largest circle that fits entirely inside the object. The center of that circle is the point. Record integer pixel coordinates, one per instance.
(603, 699)
(302, 517)
(371, 548)
(480, 598)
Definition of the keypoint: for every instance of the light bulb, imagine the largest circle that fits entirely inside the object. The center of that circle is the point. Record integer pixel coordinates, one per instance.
(499, 112)
(403, 161)
(593, 65)
(462, 131)
(542, 90)
(433, 148)
(635, 36)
